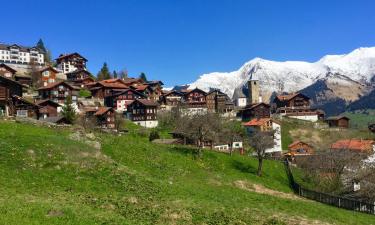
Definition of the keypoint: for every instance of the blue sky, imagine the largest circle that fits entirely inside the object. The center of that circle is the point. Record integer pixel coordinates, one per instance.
(176, 40)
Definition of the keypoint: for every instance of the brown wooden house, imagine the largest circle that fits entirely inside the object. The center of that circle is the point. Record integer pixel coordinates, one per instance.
(105, 117)
(8, 89)
(195, 98)
(24, 108)
(58, 92)
(80, 77)
(291, 103)
(120, 100)
(171, 99)
(143, 112)
(106, 88)
(47, 108)
(48, 75)
(356, 145)
(338, 121)
(7, 71)
(258, 110)
(216, 101)
(298, 148)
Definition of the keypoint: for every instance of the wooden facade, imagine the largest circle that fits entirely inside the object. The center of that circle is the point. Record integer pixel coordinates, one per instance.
(195, 98)
(48, 76)
(7, 71)
(80, 77)
(338, 121)
(216, 101)
(47, 108)
(298, 148)
(143, 110)
(24, 108)
(8, 89)
(58, 92)
(105, 117)
(73, 59)
(120, 100)
(106, 88)
(171, 99)
(259, 110)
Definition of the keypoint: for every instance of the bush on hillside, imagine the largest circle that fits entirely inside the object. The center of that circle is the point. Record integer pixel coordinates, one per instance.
(154, 135)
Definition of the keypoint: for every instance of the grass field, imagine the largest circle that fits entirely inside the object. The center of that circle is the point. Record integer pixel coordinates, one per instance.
(48, 178)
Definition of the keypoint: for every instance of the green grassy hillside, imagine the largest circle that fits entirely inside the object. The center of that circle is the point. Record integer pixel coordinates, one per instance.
(48, 178)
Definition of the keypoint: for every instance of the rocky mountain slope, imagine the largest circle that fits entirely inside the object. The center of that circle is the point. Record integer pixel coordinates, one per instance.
(334, 78)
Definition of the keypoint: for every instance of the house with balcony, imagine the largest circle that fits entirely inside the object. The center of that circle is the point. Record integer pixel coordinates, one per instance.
(18, 55)
(71, 62)
(58, 92)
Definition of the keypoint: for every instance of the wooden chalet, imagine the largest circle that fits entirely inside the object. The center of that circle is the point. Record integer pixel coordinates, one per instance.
(260, 124)
(134, 82)
(24, 108)
(8, 89)
(120, 100)
(147, 91)
(338, 121)
(299, 148)
(48, 75)
(171, 99)
(7, 71)
(143, 112)
(106, 88)
(356, 145)
(47, 108)
(157, 89)
(216, 101)
(291, 103)
(257, 110)
(58, 92)
(73, 59)
(105, 117)
(80, 77)
(195, 98)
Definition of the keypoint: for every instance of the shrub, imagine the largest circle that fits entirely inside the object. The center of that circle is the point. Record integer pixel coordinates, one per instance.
(154, 135)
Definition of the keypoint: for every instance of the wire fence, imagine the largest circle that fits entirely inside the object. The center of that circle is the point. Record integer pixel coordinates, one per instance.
(328, 199)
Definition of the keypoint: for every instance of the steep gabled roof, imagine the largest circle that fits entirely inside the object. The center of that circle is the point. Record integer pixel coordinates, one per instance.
(52, 85)
(288, 97)
(102, 110)
(296, 143)
(7, 80)
(353, 144)
(129, 89)
(8, 68)
(338, 118)
(257, 122)
(45, 101)
(193, 90)
(145, 102)
(49, 68)
(62, 56)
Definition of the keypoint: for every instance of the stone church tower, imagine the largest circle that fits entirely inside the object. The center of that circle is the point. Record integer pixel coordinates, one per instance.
(253, 86)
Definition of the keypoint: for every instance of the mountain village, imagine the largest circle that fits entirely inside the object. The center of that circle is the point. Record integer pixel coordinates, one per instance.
(36, 90)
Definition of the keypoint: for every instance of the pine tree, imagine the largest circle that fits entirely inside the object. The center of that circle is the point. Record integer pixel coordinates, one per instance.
(41, 46)
(115, 74)
(68, 110)
(143, 77)
(47, 52)
(104, 73)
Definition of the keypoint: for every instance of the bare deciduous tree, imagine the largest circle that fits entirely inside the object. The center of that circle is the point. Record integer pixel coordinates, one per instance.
(260, 142)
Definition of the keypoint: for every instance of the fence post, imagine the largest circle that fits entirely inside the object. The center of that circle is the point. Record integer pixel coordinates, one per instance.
(339, 202)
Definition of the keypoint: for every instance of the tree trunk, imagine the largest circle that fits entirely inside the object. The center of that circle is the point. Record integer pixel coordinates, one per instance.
(260, 166)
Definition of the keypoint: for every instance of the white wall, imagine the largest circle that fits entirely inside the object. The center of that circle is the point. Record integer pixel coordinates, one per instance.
(277, 139)
(312, 118)
(241, 102)
(147, 124)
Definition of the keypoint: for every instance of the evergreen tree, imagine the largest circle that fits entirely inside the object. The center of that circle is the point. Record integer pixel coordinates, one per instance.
(41, 46)
(115, 74)
(47, 52)
(68, 110)
(104, 73)
(143, 77)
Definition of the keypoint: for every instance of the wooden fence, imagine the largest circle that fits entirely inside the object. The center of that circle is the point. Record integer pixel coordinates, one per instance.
(328, 199)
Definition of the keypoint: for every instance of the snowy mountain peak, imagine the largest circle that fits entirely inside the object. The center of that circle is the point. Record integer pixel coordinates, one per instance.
(289, 76)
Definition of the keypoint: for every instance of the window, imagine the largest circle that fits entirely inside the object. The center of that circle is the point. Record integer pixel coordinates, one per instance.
(21, 113)
(46, 73)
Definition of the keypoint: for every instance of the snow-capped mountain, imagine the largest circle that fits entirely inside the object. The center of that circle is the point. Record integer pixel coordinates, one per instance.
(357, 67)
